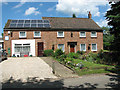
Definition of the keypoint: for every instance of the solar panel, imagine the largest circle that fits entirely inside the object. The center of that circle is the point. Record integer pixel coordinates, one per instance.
(21, 21)
(33, 21)
(33, 25)
(40, 25)
(46, 21)
(40, 21)
(46, 25)
(12, 25)
(27, 21)
(30, 23)
(14, 21)
(19, 25)
(26, 25)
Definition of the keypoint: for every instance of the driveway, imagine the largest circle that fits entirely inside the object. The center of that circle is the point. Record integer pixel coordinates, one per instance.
(24, 68)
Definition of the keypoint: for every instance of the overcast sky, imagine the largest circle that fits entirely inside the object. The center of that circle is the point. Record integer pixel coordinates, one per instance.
(24, 9)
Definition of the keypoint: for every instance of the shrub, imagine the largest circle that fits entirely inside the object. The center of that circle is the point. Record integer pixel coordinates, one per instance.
(62, 58)
(80, 52)
(48, 52)
(58, 53)
(73, 55)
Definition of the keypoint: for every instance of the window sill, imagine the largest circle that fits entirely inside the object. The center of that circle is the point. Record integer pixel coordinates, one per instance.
(82, 37)
(60, 37)
(94, 50)
(37, 37)
(93, 36)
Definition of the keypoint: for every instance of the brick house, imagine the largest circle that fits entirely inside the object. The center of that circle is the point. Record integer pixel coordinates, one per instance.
(69, 34)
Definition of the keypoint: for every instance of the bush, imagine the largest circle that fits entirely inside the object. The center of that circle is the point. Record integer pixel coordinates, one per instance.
(48, 52)
(80, 52)
(73, 55)
(62, 58)
(58, 53)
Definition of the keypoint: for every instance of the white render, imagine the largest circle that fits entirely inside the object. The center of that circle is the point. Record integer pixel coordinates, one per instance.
(26, 41)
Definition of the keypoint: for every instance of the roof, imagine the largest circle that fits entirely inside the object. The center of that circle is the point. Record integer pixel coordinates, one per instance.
(68, 23)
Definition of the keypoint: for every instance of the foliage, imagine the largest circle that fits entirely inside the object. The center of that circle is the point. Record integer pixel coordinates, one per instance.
(74, 16)
(58, 52)
(48, 52)
(113, 17)
(73, 55)
(80, 52)
(62, 58)
(107, 38)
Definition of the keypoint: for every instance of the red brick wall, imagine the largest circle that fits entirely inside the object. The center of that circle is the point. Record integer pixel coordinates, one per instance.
(50, 37)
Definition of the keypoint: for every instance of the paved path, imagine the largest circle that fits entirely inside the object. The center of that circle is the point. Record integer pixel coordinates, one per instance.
(23, 68)
(35, 69)
(60, 70)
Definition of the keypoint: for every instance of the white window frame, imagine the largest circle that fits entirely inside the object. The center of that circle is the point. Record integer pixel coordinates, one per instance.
(58, 34)
(91, 47)
(22, 36)
(37, 36)
(80, 34)
(80, 47)
(64, 47)
(95, 32)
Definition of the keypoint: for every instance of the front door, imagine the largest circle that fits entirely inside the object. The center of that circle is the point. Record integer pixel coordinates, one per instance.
(72, 48)
(40, 49)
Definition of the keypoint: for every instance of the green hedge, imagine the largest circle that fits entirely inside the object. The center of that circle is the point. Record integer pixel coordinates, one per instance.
(48, 52)
(58, 53)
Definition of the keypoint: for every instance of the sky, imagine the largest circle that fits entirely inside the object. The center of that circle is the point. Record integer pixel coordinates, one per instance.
(36, 9)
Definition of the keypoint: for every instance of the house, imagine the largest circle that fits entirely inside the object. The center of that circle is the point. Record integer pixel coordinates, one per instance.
(1, 43)
(69, 34)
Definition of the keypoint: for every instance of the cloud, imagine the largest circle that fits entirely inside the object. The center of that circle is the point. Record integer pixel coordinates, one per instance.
(41, 4)
(102, 23)
(97, 14)
(20, 4)
(32, 10)
(80, 7)
(51, 9)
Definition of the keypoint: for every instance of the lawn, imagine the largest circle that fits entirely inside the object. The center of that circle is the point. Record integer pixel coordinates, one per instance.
(89, 67)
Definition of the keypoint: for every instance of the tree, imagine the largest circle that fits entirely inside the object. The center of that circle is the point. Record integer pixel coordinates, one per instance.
(2, 34)
(107, 38)
(113, 16)
(74, 16)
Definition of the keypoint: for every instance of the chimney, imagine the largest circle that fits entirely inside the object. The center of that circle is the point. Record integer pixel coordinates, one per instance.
(89, 15)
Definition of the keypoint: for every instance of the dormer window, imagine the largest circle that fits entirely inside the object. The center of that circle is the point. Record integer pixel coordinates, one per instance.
(60, 34)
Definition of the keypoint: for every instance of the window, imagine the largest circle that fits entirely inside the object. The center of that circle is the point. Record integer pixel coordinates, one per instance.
(94, 47)
(82, 47)
(22, 34)
(18, 47)
(60, 34)
(93, 34)
(82, 34)
(61, 46)
(26, 48)
(22, 47)
(37, 34)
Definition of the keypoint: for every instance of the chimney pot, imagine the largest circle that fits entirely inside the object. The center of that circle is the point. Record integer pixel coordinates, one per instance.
(89, 15)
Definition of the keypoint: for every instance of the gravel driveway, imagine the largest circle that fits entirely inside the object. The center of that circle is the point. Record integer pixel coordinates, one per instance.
(22, 68)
